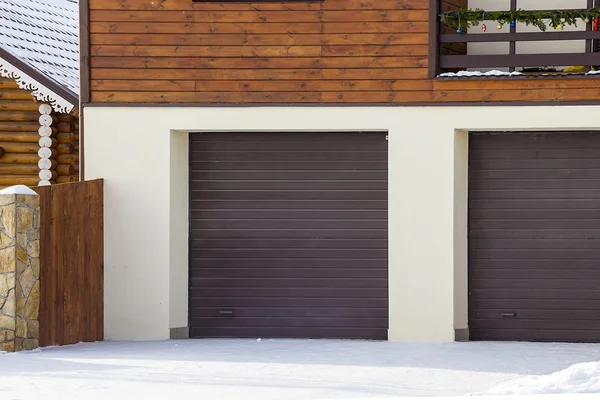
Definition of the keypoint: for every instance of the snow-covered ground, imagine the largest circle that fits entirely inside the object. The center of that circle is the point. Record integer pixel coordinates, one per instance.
(280, 369)
(578, 378)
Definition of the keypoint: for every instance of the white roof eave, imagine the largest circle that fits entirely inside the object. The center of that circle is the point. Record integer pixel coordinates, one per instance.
(38, 90)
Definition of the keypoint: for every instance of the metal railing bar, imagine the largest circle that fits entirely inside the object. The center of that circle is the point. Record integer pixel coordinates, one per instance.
(520, 36)
(512, 45)
(589, 42)
(522, 60)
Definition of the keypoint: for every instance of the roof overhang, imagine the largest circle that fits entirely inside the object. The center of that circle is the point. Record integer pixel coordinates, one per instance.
(41, 87)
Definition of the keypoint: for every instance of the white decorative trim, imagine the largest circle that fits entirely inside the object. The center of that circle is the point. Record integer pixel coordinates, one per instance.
(45, 142)
(39, 91)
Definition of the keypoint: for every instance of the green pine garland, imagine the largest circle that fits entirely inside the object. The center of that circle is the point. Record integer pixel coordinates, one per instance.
(465, 18)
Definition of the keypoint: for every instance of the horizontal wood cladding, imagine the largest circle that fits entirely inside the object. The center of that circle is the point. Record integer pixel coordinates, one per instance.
(342, 51)
(265, 16)
(187, 5)
(318, 39)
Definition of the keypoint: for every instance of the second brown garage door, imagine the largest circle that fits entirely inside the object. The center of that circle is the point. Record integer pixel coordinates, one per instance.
(288, 235)
(534, 205)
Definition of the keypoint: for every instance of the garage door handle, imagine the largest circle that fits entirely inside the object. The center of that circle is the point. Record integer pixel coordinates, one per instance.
(225, 312)
(509, 315)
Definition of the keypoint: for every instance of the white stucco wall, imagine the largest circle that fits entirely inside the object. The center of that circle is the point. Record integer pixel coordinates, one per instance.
(143, 160)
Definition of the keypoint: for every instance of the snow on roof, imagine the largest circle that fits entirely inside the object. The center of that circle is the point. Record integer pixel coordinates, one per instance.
(44, 34)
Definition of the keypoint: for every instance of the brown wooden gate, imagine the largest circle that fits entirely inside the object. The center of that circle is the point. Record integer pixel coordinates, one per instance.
(72, 263)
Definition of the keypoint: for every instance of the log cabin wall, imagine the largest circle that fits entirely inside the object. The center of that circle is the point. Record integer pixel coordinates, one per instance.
(334, 51)
(67, 148)
(19, 137)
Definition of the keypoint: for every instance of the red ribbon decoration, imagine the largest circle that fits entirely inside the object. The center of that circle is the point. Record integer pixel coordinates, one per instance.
(596, 20)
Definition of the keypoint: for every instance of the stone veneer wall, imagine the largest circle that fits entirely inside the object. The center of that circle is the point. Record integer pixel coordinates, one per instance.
(19, 271)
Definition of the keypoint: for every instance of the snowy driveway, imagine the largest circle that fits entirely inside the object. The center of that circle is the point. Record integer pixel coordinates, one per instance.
(276, 369)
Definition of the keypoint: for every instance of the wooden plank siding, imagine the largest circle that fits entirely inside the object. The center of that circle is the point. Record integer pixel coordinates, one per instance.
(342, 51)
(72, 263)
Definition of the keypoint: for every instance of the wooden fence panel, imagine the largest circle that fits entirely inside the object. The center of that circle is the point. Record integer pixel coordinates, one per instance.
(72, 263)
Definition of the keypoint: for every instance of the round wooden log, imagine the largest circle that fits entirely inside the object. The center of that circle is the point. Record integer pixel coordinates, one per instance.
(45, 142)
(27, 137)
(18, 94)
(29, 180)
(47, 120)
(7, 83)
(65, 179)
(19, 158)
(64, 148)
(66, 137)
(19, 126)
(19, 169)
(65, 127)
(75, 169)
(48, 142)
(16, 147)
(44, 183)
(47, 131)
(47, 175)
(45, 152)
(64, 117)
(18, 105)
(64, 170)
(18, 115)
(46, 163)
(45, 109)
(65, 158)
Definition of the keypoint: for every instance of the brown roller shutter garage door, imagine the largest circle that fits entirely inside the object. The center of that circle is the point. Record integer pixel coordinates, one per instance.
(288, 235)
(534, 205)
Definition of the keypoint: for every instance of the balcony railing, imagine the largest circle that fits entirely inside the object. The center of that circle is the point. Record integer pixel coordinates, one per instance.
(589, 58)
(452, 52)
